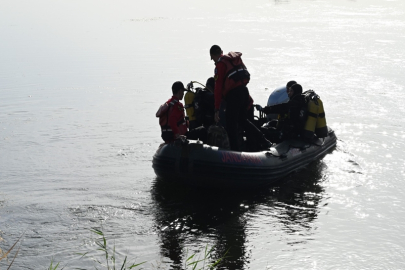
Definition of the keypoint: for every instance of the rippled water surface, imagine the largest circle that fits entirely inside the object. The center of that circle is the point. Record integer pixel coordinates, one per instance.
(80, 83)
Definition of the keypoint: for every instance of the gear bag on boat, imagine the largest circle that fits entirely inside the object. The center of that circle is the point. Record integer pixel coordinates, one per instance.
(217, 136)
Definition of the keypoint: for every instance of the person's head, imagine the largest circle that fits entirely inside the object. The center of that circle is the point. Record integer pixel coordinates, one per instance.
(290, 83)
(178, 90)
(210, 85)
(295, 89)
(215, 52)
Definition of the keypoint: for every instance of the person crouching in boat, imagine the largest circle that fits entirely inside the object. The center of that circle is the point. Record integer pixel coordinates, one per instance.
(294, 109)
(172, 119)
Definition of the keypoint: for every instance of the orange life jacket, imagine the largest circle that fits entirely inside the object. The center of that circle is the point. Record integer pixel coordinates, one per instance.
(163, 114)
(236, 72)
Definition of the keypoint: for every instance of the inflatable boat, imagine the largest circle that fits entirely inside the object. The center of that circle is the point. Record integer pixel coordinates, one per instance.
(202, 165)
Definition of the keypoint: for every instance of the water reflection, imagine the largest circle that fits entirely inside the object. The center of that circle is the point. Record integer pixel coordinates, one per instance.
(190, 218)
(298, 198)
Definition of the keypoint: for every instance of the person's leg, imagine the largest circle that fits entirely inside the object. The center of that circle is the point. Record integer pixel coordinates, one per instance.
(232, 115)
(251, 114)
(222, 113)
(253, 134)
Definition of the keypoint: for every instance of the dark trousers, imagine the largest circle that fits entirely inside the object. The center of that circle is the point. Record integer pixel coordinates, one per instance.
(222, 113)
(237, 101)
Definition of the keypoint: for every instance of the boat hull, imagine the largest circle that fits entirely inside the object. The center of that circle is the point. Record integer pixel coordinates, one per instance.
(202, 165)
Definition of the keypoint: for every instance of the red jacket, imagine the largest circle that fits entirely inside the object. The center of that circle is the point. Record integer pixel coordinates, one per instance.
(223, 84)
(172, 118)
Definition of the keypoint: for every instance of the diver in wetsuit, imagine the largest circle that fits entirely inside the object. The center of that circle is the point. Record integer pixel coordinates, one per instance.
(294, 111)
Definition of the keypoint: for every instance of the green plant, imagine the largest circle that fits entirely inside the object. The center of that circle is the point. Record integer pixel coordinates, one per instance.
(193, 262)
(3, 255)
(110, 259)
(51, 267)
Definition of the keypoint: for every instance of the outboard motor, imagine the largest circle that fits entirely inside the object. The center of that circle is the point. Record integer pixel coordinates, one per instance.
(278, 96)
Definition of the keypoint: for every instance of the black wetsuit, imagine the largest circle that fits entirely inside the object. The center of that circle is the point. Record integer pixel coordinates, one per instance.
(296, 112)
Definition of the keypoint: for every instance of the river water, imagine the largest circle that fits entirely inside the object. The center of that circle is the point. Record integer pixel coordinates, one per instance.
(80, 82)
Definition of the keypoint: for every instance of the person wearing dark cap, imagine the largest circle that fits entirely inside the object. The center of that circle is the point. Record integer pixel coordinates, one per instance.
(231, 78)
(172, 119)
(171, 115)
(294, 110)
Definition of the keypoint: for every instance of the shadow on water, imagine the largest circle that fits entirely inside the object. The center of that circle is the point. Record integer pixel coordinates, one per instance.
(187, 216)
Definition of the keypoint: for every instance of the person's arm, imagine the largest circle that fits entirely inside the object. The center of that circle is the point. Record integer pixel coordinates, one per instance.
(219, 84)
(279, 108)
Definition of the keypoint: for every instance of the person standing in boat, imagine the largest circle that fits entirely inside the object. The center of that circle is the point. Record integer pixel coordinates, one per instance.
(294, 109)
(231, 78)
(172, 119)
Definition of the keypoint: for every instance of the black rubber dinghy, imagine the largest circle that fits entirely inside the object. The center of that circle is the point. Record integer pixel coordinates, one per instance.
(198, 164)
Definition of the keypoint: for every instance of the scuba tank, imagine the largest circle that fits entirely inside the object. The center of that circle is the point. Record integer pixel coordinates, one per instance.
(321, 129)
(316, 121)
(192, 106)
(312, 117)
(189, 105)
